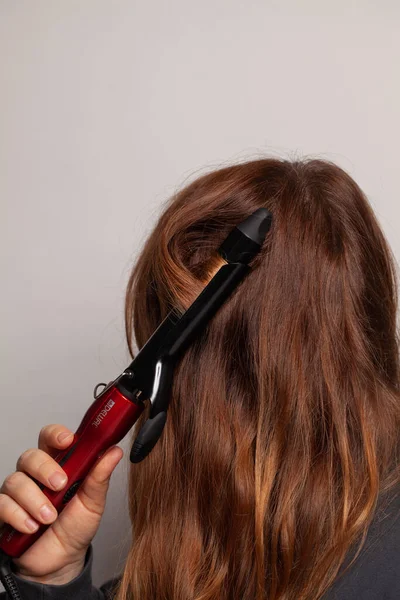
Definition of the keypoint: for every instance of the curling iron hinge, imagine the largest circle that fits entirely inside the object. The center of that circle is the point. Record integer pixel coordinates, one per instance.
(106, 386)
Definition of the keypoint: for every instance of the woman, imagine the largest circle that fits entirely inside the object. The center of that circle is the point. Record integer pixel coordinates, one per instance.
(277, 474)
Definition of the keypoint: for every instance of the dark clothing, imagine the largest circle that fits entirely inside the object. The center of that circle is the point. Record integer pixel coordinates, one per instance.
(80, 588)
(375, 575)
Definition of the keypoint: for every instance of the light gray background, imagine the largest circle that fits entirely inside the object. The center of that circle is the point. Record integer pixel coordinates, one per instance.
(105, 108)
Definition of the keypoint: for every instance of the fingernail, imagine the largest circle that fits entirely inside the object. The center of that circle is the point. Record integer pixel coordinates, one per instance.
(47, 513)
(58, 480)
(63, 436)
(31, 524)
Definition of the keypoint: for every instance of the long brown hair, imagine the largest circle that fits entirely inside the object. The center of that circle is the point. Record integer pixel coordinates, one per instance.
(284, 421)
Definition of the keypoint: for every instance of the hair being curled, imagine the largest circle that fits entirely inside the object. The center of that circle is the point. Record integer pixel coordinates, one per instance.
(283, 426)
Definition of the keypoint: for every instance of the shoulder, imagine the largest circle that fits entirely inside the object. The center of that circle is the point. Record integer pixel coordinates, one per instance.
(375, 573)
(109, 588)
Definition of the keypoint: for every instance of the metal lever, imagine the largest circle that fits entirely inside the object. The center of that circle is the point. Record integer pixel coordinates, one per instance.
(152, 429)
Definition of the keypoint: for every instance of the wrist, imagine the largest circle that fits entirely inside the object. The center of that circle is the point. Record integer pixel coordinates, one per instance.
(59, 577)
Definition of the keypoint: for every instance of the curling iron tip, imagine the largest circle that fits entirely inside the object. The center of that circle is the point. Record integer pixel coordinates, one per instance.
(257, 225)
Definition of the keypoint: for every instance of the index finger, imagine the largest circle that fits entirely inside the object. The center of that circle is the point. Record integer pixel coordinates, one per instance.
(54, 437)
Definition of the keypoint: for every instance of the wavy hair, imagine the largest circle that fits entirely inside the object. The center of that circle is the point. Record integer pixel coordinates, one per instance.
(283, 427)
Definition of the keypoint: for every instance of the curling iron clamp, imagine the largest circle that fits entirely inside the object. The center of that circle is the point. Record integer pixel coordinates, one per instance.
(149, 376)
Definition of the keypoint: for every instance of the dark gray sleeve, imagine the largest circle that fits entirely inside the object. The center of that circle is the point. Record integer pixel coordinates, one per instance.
(80, 588)
(375, 573)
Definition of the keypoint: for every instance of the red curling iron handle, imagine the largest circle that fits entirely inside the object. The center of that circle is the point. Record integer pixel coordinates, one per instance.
(106, 422)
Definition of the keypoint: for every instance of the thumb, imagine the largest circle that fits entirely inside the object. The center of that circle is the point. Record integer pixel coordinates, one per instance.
(95, 486)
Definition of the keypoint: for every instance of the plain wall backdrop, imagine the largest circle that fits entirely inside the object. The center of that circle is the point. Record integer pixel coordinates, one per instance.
(106, 107)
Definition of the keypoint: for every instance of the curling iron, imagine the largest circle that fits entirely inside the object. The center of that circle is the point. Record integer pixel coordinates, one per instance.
(149, 377)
